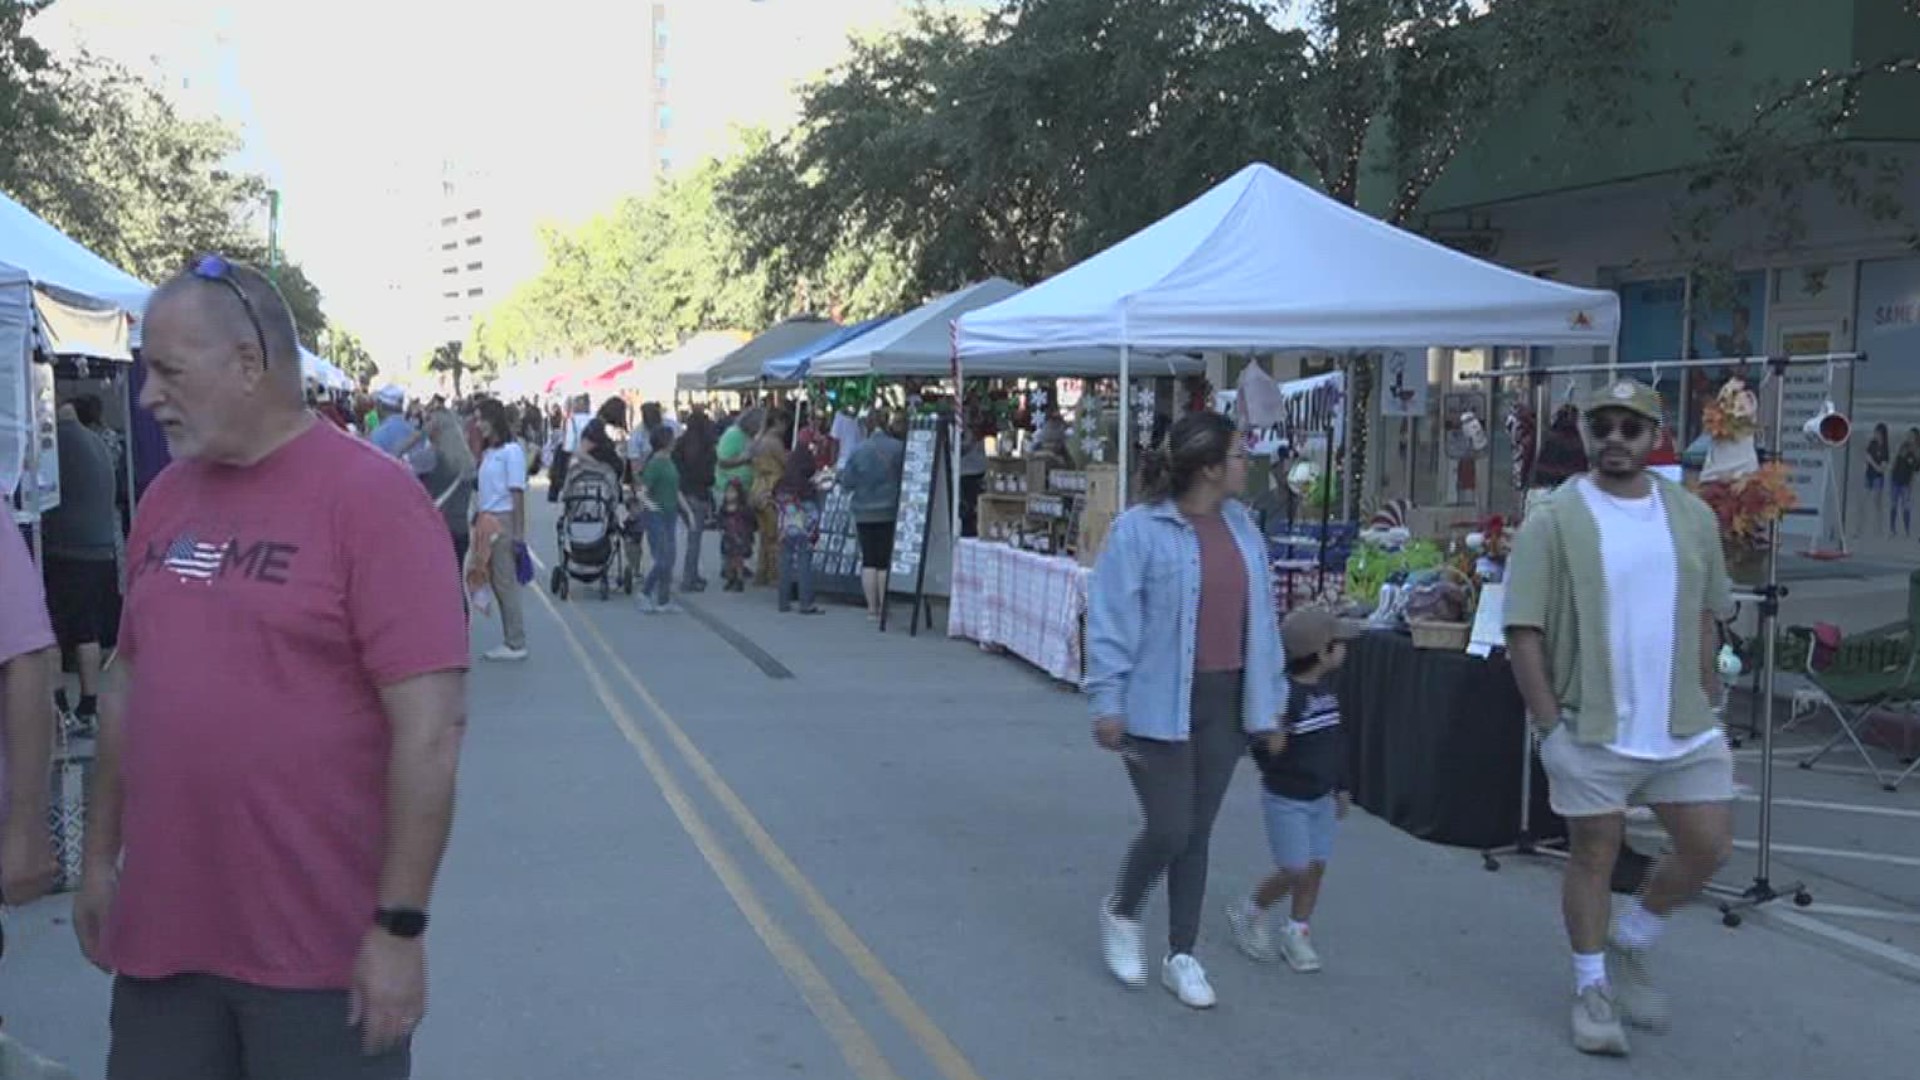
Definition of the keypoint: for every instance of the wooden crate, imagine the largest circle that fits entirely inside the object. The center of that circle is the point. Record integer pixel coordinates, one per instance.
(1103, 490)
(1000, 510)
(1094, 526)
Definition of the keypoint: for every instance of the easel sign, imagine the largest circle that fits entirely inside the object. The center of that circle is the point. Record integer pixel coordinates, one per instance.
(923, 529)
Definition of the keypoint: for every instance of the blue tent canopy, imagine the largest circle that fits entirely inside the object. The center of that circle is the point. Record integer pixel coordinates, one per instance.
(792, 366)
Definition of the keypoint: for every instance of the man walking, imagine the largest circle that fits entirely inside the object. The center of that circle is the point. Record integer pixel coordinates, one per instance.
(82, 538)
(281, 725)
(1612, 591)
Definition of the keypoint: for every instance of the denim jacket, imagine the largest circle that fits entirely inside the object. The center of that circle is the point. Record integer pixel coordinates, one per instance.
(1143, 611)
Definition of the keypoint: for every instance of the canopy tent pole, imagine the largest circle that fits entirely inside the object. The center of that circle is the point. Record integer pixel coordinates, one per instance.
(1126, 417)
(959, 420)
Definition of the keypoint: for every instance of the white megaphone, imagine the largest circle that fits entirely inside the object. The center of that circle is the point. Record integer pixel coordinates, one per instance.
(1829, 427)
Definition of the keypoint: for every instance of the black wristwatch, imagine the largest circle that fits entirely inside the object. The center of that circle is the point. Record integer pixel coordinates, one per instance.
(401, 922)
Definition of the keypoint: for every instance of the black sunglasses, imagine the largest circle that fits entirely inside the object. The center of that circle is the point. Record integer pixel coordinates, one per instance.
(1602, 425)
(217, 268)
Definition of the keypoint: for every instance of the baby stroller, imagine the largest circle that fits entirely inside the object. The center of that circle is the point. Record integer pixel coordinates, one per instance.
(589, 538)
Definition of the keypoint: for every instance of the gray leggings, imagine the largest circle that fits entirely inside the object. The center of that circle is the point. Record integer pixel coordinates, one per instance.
(1180, 786)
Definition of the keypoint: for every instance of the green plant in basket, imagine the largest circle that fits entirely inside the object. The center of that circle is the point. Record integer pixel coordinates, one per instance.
(1372, 564)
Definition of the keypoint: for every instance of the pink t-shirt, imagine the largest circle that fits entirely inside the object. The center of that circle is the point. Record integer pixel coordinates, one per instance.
(23, 623)
(265, 608)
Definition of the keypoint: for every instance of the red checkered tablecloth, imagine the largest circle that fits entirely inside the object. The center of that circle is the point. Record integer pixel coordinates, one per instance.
(1029, 604)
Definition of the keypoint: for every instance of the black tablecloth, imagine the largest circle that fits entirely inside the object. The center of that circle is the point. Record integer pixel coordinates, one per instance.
(1436, 741)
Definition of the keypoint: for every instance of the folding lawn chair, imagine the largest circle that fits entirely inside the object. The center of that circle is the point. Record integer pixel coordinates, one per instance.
(1867, 671)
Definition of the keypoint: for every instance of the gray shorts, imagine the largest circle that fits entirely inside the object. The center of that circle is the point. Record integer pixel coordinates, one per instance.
(202, 1027)
(1591, 781)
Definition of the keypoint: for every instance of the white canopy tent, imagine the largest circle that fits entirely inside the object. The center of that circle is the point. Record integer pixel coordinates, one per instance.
(1264, 262)
(323, 372)
(920, 344)
(85, 303)
(659, 378)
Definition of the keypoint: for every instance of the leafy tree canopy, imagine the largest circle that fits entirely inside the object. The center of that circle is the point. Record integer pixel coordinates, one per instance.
(107, 158)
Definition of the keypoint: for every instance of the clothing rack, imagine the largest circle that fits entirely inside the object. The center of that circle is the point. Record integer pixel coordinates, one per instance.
(1762, 890)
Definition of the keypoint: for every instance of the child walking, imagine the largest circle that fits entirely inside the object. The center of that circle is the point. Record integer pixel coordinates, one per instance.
(737, 527)
(1303, 769)
(796, 507)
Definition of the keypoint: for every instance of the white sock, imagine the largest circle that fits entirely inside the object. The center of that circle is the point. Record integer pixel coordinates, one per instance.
(1295, 926)
(1589, 969)
(1638, 928)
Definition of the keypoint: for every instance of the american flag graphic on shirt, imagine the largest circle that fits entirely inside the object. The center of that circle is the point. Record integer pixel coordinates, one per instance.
(195, 560)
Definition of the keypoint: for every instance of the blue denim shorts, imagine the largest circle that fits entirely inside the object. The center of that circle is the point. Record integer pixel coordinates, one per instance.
(1299, 832)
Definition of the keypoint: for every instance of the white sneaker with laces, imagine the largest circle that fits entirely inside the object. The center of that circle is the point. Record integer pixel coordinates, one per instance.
(1183, 976)
(1125, 950)
(501, 652)
(1249, 925)
(1297, 947)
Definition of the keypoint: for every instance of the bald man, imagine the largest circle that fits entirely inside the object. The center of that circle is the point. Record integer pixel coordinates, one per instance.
(280, 728)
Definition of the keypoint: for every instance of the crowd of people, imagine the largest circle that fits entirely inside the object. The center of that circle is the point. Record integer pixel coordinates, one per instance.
(260, 890)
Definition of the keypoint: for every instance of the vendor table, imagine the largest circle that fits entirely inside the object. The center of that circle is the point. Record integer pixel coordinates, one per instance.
(1437, 738)
(1029, 604)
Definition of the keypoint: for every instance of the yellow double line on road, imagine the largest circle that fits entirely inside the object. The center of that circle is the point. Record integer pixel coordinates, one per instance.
(856, 1045)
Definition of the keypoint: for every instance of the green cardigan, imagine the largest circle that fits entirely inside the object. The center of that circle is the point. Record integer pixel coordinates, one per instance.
(1555, 584)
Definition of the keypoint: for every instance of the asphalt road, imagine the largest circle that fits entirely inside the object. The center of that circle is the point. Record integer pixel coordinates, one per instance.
(879, 857)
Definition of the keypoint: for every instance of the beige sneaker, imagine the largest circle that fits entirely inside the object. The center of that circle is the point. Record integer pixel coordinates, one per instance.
(1642, 1004)
(1296, 947)
(1596, 1025)
(1249, 926)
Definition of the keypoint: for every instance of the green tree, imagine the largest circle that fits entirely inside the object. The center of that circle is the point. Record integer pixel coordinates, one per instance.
(448, 360)
(29, 98)
(1797, 140)
(123, 172)
(350, 355)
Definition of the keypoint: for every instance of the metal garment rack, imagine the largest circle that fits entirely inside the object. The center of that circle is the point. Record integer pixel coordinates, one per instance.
(1734, 901)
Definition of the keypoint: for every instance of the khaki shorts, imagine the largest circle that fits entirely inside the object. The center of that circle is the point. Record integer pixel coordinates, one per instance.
(1590, 781)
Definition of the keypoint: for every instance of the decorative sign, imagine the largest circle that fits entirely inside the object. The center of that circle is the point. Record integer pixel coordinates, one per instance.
(836, 555)
(1405, 377)
(924, 519)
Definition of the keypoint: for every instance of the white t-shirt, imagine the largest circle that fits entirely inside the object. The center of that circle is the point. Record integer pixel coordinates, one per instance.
(1643, 586)
(503, 471)
(577, 423)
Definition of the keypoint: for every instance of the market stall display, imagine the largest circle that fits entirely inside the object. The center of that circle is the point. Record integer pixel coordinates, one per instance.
(1437, 739)
(1028, 604)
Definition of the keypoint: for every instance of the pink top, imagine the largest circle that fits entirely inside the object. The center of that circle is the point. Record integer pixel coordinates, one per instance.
(1221, 638)
(23, 625)
(265, 609)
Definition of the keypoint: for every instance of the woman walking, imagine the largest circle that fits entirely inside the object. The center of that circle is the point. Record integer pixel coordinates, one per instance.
(500, 528)
(1183, 664)
(872, 480)
(695, 454)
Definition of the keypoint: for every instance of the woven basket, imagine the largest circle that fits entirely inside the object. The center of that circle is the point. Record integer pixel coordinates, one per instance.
(1451, 636)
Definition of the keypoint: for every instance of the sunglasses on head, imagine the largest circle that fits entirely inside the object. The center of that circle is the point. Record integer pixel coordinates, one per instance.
(1630, 427)
(217, 268)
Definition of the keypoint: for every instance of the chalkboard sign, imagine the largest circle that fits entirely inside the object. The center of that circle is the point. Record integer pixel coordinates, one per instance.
(924, 514)
(836, 555)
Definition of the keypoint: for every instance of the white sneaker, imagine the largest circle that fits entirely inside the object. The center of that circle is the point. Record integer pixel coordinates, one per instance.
(1297, 948)
(501, 652)
(1183, 976)
(1125, 951)
(1249, 926)
(647, 606)
(670, 608)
